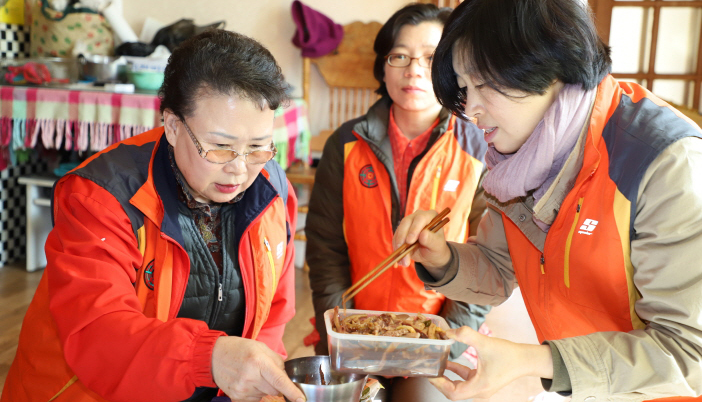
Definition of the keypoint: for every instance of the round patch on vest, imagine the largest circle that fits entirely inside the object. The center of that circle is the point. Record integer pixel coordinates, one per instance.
(149, 275)
(367, 176)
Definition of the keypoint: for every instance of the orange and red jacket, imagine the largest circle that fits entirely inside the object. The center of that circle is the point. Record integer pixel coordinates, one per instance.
(446, 176)
(367, 216)
(569, 290)
(102, 324)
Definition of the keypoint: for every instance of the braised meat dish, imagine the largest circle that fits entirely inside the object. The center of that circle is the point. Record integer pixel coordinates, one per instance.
(387, 324)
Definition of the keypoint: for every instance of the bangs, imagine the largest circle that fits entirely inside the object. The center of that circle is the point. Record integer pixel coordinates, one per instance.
(501, 50)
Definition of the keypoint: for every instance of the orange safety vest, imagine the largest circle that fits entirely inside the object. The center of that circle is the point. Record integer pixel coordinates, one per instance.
(583, 281)
(40, 371)
(446, 176)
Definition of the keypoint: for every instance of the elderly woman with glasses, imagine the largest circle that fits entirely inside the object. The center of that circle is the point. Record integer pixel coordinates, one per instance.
(406, 153)
(170, 266)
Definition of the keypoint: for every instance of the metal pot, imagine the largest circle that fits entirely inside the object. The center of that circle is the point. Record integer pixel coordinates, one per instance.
(305, 370)
(62, 68)
(99, 68)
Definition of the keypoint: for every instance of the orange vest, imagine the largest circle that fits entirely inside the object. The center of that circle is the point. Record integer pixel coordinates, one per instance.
(446, 176)
(40, 371)
(583, 281)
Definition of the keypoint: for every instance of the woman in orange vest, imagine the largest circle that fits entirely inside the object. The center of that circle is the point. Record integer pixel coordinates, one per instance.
(170, 266)
(406, 153)
(594, 203)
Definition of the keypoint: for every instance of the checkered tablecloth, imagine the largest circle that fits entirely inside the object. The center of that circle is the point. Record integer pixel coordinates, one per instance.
(92, 120)
(71, 119)
(291, 133)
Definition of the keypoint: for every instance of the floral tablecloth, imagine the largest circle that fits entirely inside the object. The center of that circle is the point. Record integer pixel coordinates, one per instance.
(84, 120)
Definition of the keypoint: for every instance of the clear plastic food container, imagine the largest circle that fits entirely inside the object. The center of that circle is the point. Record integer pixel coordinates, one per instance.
(387, 355)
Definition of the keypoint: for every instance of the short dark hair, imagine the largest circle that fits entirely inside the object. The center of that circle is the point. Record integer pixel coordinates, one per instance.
(519, 44)
(222, 62)
(411, 14)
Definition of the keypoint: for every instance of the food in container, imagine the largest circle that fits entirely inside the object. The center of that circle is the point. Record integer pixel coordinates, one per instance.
(388, 355)
(387, 324)
(371, 389)
(62, 70)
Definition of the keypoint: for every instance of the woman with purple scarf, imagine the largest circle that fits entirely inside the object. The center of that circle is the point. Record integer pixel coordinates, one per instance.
(594, 203)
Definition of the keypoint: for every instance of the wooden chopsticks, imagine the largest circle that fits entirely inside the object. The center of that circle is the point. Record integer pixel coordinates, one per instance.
(437, 223)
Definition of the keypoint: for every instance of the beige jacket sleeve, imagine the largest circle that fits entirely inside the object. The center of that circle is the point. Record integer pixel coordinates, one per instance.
(665, 358)
(480, 271)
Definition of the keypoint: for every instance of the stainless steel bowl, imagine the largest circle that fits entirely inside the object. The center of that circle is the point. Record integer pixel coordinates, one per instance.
(344, 388)
(100, 68)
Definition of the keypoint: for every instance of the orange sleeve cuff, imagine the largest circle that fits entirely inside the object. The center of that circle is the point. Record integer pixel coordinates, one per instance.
(202, 357)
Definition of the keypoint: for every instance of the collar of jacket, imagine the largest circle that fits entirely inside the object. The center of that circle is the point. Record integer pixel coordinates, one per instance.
(163, 192)
(374, 128)
(577, 168)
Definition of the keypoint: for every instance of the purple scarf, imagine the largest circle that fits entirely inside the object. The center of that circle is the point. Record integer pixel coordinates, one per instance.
(537, 163)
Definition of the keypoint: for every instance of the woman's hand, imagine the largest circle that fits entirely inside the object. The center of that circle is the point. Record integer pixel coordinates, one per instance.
(433, 252)
(499, 363)
(247, 370)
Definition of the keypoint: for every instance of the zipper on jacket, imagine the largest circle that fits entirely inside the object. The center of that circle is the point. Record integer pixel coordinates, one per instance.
(435, 188)
(566, 259)
(541, 300)
(542, 261)
(270, 259)
(215, 308)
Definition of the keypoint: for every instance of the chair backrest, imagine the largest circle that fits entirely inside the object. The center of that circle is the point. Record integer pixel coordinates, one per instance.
(348, 72)
(442, 3)
(691, 113)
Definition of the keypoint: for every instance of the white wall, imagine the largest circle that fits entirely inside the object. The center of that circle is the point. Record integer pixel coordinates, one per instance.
(268, 21)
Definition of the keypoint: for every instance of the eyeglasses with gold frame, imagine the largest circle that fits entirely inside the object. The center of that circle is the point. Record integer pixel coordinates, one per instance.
(226, 155)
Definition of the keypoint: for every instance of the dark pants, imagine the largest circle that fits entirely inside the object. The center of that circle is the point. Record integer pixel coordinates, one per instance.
(202, 394)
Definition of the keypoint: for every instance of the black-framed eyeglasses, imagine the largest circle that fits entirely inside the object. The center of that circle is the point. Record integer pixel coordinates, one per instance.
(403, 60)
(226, 155)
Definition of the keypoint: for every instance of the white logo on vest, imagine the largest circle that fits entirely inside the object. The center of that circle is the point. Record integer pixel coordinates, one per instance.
(279, 250)
(451, 185)
(588, 226)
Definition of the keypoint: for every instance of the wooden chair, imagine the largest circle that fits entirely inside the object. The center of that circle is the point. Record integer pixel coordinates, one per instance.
(443, 3)
(691, 113)
(348, 72)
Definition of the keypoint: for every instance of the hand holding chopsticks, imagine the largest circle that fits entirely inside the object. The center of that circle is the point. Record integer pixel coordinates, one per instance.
(406, 249)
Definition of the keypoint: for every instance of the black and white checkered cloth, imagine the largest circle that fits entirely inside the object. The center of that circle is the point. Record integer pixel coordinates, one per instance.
(13, 209)
(14, 41)
(14, 44)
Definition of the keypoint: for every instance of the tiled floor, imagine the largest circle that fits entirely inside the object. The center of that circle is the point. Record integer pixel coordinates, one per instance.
(299, 327)
(17, 287)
